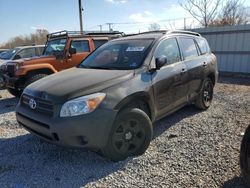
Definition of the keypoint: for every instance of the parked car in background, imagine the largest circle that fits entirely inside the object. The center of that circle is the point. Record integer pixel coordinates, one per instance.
(3, 50)
(111, 99)
(21, 52)
(245, 156)
(17, 54)
(63, 50)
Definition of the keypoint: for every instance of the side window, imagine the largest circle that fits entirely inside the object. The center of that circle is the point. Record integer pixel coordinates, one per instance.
(27, 52)
(80, 46)
(188, 47)
(202, 43)
(170, 49)
(98, 43)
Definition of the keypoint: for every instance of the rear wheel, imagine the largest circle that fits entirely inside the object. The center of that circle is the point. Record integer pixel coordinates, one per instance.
(245, 156)
(130, 136)
(205, 97)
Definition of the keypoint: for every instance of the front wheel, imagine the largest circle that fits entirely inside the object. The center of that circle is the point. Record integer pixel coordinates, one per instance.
(130, 136)
(15, 92)
(205, 97)
(34, 78)
(245, 156)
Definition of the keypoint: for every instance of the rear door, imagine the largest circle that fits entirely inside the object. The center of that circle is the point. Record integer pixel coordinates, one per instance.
(169, 83)
(194, 62)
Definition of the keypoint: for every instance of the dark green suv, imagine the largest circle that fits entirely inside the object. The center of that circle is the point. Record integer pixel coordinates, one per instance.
(111, 99)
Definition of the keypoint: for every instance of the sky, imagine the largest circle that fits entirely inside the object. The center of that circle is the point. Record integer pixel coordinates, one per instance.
(22, 17)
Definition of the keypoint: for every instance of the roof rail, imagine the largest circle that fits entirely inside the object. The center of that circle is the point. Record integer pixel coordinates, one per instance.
(168, 32)
(79, 33)
(157, 31)
(183, 32)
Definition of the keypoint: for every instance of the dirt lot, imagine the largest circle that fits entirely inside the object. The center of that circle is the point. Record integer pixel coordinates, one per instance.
(191, 148)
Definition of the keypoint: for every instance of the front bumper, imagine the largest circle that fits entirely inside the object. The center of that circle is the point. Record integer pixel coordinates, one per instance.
(10, 82)
(2, 82)
(90, 130)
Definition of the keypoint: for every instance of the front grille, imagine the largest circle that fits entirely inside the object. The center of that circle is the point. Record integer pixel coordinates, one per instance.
(11, 70)
(42, 106)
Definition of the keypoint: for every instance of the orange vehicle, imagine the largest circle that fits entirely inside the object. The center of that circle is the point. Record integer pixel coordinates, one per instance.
(63, 50)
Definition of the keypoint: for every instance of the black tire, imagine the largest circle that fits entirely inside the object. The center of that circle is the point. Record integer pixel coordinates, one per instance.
(205, 97)
(131, 134)
(15, 92)
(245, 156)
(34, 78)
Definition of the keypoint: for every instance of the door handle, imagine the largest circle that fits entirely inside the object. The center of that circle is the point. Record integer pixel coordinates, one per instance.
(183, 71)
(204, 64)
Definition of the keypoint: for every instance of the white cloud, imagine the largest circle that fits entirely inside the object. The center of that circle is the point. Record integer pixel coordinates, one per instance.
(38, 27)
(146, 16)
(117, 1)
(148, 13)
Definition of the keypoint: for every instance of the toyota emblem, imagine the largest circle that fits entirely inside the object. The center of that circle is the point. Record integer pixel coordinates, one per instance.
(32, 104)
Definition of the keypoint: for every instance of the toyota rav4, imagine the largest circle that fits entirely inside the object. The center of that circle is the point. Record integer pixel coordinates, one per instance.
(111, 99)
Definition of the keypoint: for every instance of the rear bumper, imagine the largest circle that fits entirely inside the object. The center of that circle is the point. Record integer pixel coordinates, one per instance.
(216, 76)
(90, 130)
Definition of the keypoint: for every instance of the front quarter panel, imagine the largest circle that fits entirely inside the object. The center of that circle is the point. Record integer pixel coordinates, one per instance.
(137, 88)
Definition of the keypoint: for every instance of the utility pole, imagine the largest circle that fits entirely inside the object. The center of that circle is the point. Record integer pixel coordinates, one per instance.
(110, 24)
(185, 24)
(100, 28)
(80, 15)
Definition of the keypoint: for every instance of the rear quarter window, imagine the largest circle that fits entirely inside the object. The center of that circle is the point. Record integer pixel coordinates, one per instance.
(203, 45)
(188, 47)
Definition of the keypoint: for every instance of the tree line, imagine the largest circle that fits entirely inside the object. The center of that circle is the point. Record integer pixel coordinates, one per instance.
(38, 37)
(211, 13)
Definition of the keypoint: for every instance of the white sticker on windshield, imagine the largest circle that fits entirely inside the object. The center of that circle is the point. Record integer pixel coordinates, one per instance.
(135, 48)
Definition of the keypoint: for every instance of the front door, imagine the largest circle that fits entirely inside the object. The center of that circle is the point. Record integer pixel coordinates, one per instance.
(169, 83)
(82, 51)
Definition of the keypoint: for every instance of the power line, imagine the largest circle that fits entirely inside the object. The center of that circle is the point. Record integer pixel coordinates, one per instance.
(140, 23)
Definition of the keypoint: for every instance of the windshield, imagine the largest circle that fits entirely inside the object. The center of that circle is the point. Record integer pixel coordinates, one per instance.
(55, 46)
(9, 54)
(123, 55)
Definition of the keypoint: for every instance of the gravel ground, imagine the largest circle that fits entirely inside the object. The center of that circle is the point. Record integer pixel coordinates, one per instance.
(191, 148)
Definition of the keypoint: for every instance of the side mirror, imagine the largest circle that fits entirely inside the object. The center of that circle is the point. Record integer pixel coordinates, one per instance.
(160, 62)
(17, 57)
(72, 51)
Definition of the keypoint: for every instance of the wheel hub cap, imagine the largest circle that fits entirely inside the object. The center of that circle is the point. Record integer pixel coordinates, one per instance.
(128, 135)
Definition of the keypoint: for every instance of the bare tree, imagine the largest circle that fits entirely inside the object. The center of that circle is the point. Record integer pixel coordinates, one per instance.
(204, 11)
(39, 37)
(233, 13)
(154, 27)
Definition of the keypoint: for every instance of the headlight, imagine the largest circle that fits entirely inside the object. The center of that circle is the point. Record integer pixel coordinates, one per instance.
(17, 67)
(81, 105)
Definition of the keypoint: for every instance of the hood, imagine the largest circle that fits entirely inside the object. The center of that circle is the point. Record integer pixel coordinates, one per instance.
(76, 82)
(31, 60)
